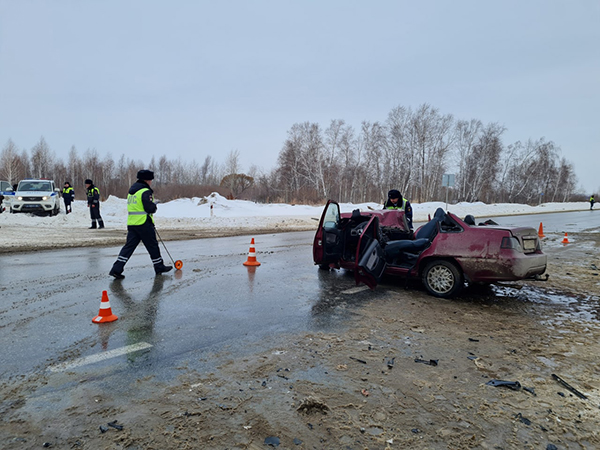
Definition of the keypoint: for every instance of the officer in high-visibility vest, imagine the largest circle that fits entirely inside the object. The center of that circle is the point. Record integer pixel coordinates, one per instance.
(592, 201)
(68, 195)
(396, 201)
(93, 198)
(140, 225)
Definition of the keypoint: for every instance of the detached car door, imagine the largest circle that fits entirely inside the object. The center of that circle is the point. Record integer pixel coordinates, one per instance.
(328, 243)
(370, 257)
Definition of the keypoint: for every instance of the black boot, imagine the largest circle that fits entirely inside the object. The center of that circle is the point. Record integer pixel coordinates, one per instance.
(162, 269)
(100, 224)
(117, 275)
(93, 227)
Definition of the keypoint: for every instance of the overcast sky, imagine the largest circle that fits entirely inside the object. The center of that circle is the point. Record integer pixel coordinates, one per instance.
(192, 78)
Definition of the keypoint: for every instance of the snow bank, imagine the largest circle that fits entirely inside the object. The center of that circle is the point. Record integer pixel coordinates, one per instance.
(215, 212)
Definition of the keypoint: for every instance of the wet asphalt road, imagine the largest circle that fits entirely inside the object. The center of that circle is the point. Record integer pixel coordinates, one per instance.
(215, 304)
(567, 222)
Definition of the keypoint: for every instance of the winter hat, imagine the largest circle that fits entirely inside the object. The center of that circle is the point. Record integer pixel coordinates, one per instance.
(88, 181)
(394, 193)
(145, 175)
(67, 183)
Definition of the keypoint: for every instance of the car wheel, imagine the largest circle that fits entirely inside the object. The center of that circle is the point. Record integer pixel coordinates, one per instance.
(442, 278)
(324, 266)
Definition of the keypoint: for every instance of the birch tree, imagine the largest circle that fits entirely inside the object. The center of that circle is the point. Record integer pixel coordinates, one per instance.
(10, 165)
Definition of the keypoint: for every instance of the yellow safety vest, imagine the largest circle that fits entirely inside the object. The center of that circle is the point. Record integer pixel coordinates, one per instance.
(398, 207)
(135, 209)
(91, 192)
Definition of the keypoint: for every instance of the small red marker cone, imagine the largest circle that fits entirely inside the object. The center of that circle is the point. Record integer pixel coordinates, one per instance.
(252, 256)
(105, 314)
(541, 231)
(565, 239)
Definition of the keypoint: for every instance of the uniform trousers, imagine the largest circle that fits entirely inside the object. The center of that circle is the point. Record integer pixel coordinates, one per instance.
(136, 233)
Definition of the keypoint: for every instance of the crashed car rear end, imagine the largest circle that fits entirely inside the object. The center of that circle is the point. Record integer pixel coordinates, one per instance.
(445, 253)
(510, 254)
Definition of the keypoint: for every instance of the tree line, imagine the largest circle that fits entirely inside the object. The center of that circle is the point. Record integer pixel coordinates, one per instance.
(410, 151)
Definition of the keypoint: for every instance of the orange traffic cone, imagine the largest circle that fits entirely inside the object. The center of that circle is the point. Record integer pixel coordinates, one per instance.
(541, 231)
(105, 314)
(565, 239)
(252, 256)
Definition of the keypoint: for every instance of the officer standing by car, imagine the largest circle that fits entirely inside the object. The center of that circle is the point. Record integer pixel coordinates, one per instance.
(396, 201)
(68, 195)
(140, 225)
(592, 201)
(93, 199)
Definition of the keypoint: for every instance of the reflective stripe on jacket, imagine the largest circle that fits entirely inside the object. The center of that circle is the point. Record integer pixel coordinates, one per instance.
(136, 215)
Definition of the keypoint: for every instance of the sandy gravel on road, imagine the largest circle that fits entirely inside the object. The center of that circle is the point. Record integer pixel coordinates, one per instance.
(362, 389)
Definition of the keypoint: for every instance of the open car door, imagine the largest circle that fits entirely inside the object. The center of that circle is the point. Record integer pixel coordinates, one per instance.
(328, 243)
(370, 258)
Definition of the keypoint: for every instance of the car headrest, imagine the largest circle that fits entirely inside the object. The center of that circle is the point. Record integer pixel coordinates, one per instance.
(469, 219)
(356, 214)
(440, 214)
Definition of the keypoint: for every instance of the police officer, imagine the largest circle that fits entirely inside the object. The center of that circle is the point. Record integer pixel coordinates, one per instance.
(93, 199)
(140, 226)
(68, 195)
(396, 201)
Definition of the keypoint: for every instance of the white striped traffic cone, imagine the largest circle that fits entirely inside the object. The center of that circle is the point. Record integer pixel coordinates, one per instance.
(252, 256)
(105, 314)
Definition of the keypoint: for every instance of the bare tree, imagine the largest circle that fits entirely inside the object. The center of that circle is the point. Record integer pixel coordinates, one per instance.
(399, 161)
(481, 164)
(232, 162)
(42, 159)
(467, 133)
(432, 139)
(237, 183)
(11, 168)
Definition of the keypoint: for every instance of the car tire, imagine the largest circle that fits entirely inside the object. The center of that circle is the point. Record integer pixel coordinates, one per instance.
(324, 266)
(442, 278)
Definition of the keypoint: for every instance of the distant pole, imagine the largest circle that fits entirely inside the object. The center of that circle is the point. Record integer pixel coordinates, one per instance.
(447, 182)
(446, 198)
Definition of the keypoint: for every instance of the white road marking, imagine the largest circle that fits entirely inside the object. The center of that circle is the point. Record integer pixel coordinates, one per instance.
(356, 290)
(99, 357)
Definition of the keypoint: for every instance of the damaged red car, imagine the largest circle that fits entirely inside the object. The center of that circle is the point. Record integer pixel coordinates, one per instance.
(445, 253)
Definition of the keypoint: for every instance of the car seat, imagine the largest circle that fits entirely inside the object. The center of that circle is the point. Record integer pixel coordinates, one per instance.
(470, 220)
(424, 236)
(429, 230)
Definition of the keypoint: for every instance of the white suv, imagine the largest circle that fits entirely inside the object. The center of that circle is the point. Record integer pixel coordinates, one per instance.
(36, 196)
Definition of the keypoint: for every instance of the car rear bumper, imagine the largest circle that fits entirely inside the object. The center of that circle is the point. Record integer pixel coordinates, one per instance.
(517, 267)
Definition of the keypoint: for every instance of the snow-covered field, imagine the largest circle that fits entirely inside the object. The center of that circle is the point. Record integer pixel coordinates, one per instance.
(214, 213)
